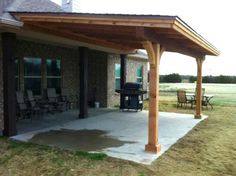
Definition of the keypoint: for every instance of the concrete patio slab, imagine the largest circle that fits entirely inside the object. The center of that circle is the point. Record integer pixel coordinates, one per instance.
(131, 127)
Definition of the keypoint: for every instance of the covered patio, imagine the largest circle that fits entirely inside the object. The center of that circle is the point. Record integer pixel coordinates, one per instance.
(122, 34)
(117, 134)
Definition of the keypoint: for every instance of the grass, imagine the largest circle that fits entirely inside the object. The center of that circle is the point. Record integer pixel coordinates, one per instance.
(224, 94)
(91, 156)
(208, 150)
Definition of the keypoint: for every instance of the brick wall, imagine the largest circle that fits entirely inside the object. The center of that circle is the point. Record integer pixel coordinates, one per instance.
(97, 87)
(69, 59)
(1, 90)
(132, 64)
(97, 78)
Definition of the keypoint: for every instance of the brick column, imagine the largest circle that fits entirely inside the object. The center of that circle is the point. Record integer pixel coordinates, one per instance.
(8, 51)
(83, 75)
(123, 59)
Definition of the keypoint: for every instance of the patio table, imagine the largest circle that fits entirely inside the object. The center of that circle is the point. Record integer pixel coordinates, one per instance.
(205, 99)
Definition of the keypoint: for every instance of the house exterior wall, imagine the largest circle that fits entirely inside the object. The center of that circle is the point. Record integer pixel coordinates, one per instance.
(101, 72)
(97, 87)
(1, 90)
(132, 64)
(69, 61)
(97, 78)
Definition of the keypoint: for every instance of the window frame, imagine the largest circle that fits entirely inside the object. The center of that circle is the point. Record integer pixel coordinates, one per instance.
(117, 78)
(33, 76)
(17, 74)
(138, 78)
(53, 77)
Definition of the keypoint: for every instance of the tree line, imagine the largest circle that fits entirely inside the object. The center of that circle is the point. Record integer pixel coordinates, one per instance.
(176, 78)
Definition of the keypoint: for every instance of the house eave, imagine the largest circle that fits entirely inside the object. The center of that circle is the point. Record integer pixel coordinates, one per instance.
(12, 23)
(142, 25)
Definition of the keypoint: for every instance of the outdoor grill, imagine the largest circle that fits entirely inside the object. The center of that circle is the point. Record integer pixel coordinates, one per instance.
(131, 96)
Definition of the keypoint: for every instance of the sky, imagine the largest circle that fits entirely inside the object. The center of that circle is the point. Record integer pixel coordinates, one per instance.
(213, 19)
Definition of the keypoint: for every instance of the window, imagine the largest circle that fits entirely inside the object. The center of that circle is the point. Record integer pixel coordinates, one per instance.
(32, 74)
(139, 74)
(54, 74)
(17, 73)
(117, 76)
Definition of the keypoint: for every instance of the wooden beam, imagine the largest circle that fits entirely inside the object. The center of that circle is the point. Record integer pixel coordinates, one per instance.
(198, 113)
(148, 46)
(8, 54)
(79, 37)
(83, 93)
(154, 51)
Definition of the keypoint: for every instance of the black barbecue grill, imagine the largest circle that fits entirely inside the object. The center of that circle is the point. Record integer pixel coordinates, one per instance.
(131, 96)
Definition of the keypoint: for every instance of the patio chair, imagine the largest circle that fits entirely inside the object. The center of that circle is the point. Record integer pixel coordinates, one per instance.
(183, 100)
(37, 107)
(64, 98)
(54, 100)
(203, 92)
(204, 98)
(23, 110)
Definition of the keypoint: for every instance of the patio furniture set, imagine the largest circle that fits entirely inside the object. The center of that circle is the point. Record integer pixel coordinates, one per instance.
(28, 105)
(184, 98)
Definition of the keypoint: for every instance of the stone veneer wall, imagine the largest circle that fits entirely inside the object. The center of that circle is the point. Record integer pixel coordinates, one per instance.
(1, 90)
(132, 64)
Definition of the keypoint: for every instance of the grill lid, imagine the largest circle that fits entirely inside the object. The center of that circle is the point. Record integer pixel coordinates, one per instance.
(132, 86)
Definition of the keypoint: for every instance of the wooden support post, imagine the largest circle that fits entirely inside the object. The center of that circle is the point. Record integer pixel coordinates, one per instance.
(123, 59)
(154, 54)
(198, 113)
(83, 70)
(8, 52)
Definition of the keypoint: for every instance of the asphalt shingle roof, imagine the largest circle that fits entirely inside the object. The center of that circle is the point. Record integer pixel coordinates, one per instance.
(26, 6)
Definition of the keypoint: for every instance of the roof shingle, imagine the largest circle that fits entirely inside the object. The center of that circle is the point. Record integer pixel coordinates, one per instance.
(26, 6)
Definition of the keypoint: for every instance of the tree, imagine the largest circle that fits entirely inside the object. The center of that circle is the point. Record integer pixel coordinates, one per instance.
(192, 79)
(172, 78)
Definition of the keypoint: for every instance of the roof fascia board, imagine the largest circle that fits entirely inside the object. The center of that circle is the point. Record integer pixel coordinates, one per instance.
(185, 30)
(109, 20)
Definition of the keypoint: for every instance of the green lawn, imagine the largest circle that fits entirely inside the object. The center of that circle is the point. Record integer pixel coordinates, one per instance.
(224, 94)
(208, 150)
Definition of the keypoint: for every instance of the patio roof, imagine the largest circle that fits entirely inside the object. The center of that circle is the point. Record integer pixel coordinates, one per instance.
(122, 32)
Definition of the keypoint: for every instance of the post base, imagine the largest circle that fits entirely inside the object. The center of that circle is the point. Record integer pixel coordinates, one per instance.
(153, 148)
(83, 116)
(9, 133)
(198, 116)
